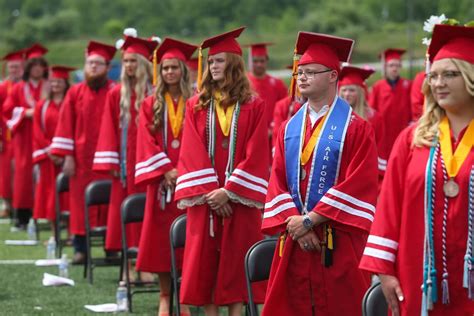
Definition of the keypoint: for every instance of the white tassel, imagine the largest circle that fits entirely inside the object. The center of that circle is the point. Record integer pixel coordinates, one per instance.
(429, 303)
(119, 43)
(130, 31)
(445, 289)
(168, 195)
(465, 283)
(211, 224)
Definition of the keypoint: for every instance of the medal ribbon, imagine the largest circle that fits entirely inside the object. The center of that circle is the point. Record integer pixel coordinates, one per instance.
(224, 115)
(176, 117)
(309, 148)
(454, 162)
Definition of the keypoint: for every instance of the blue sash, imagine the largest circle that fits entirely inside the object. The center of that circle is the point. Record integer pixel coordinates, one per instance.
(326, 157)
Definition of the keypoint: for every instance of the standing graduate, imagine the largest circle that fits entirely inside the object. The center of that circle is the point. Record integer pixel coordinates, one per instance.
(14, 62)
(116, 148)
(19, 108)
(390, 97)
(160, 128)
(322, 192)
(76, 137)
(45, 120)
(421, 243)
(417, 97)
(223, 171)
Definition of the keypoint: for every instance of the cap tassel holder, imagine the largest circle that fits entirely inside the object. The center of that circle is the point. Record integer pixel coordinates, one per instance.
(199, 74)
(293, 87)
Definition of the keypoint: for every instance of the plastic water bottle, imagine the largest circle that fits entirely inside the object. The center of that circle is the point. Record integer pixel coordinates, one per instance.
(31, 229)
(122, 299)
(63, 266)
(51, 248)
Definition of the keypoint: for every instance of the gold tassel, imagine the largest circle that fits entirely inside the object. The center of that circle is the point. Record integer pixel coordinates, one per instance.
(330, 238)
(199, 74)
(282, 244)
(155, 68)
(293, 87)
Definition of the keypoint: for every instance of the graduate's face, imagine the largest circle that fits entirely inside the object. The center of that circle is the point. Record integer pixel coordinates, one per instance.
(315, 80)
(259, 65)
(37, 72)
(15, 69)
(96, 66)
(130, 64)
(171, 71)
(448, 86)
(349, 93)
(392, 69)
(58, 85)
(217, 64)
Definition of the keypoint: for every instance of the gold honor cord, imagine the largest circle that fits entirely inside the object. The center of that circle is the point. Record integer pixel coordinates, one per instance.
(224, 116)
(309, 148)
(175, 117)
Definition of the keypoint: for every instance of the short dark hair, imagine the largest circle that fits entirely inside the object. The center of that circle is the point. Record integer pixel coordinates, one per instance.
(33, 62)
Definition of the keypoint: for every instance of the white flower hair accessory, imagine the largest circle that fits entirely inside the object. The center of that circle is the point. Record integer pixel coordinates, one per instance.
(429, 24)
(130, 31)
(119, 43)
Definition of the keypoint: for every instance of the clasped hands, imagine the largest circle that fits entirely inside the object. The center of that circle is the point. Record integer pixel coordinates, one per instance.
(306, 238)
(218, 201)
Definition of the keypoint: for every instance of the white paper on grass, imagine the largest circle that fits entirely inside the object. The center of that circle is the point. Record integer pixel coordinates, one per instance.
(102, 308)
(54, 280)
(47, 262)
(21, 242)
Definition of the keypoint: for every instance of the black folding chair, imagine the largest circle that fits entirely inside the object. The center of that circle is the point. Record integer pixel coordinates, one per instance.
(177, 241)
(97, 193)
(374, 303)
(258, 262)
(133, 211)
(62, 216)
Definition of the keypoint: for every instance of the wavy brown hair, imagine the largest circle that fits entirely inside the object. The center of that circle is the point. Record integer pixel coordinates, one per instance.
(234, 88)
(162, 88)
(427, 128)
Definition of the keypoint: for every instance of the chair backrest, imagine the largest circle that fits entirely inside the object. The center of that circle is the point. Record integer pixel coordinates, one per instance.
(178, 232)
(98, 192)
(62, 183)
(258, 260)
(133, 208)
(374, 303)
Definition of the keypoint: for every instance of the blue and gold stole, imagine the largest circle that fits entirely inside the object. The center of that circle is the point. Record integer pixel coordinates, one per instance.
(326, 157)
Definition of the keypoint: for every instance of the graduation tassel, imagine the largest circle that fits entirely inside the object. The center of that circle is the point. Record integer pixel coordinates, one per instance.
(293, 79)
(161, 196)
(282, 244)
(427, 63)
(211, 224)
(199, 74)
(155, 68)
(168, 195)
(445, 289)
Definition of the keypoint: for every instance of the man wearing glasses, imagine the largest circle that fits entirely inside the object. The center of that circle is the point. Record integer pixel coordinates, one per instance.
(76, 138)
(321, 193)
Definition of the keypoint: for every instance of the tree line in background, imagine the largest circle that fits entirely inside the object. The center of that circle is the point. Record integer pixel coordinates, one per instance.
(23, 22)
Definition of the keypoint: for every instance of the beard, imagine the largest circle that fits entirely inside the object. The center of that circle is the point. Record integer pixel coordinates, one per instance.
(95, 82)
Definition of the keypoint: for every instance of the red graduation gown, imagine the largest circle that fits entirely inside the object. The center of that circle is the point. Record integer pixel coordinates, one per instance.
(284, 109)
(377, 124)
(213, 269)
(6, 154)
(107, 158)
(77, 135)
(298, 278)
(395, 243)
(151, 165)
(45, 121)
(416, 96)
(24, 96)
(394, 107)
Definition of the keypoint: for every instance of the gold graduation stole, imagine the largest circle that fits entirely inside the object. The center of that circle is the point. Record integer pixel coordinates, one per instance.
(224, 115)
(175, 117)
(309, 148)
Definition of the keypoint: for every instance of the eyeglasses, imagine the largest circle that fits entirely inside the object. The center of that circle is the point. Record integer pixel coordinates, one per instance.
(95, 63)
(309, 74)
(446, 76)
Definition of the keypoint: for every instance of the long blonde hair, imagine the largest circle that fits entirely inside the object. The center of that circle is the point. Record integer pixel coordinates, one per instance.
(161, 88)
(143, 77)
(361, 107)
(235, 86)
(427, 128)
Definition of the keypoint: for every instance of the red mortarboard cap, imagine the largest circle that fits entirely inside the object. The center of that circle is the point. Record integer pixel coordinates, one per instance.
(259, 49)
(171, 48)
(392, 53)
(323, 49)
(136, 45)
(193, 63)
(34, 51)
(450, 41)
(351, 75)
(61, 72)
(13, 56)
(104, 50)
(224, 43)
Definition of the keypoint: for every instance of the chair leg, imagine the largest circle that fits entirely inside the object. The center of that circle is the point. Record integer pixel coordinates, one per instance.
(171, 296)
(89, 259)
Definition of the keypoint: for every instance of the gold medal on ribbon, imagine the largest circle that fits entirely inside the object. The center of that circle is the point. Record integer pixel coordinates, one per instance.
(453, 162)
